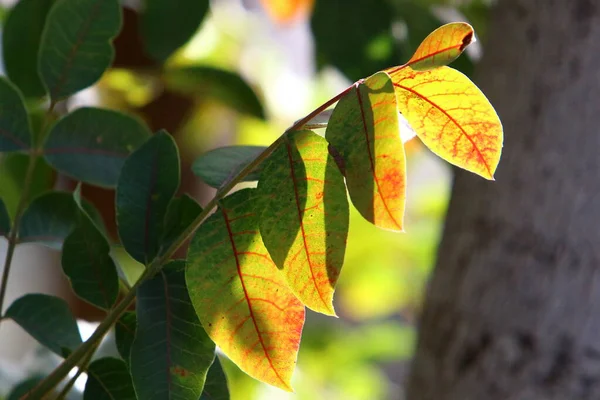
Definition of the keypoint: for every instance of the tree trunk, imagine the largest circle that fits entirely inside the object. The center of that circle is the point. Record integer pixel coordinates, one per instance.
(513, 308)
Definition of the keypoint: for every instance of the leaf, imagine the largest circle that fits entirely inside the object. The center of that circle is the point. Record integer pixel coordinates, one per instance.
(355, 36)
(208, 82)
(442, 46)
(304, 216)
(48, 320)
(182, 211)
(239, 295)
(218, 166)
(108, 378)
(20, 43)
(125, 334)
(215, 387)
(149, 179)
(364, 129)
(91, 144)
(76, 44)
(4, 220)
(49, 219)
(23, 387)
(167, 25)
(171, 353)
(15, 130)
(451, 116)
(285, 11)
(88, 265)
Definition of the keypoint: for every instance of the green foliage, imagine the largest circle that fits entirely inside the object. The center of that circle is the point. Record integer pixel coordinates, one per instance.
(108, 378)
(15, 132)
(217, 167)
(125, 334)
(215, 387)
(4, 220)
(181, 213)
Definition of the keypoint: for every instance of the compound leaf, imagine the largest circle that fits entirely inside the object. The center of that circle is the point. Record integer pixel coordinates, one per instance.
(15, 129)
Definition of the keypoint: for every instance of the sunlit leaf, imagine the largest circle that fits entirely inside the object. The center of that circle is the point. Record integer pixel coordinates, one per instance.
(76, 44)
(15, 131)
(442, 46)
(125, 333)
(91, 144)
(88, 265)
(218, 166)
(215, 387)
(224, 86)
(21, 37)
(451, 116)
(108, 379)
(49, 219)
(285, 11)
(48, 320)
(364, 128)
(171, 353)
(148, 180)
(241, 298)
(303, 216)
(166, 25)
(4, 219)
(182, 211)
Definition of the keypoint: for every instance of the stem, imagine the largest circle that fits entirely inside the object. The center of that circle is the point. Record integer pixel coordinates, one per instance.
(74, 358)
(83, 367)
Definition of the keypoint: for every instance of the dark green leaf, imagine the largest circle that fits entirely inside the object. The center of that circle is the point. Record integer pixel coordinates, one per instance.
(224, 86)
(49, 219)
(180, 214)
(76, 44)
(88, 265)
(20, 44)
(171, 353)
(167, 25)
(215, 387)
(23, 387)
(91, 144)
(218, 166)
(125, 333)
(14, 168)
(4, 220)
(15, 130)
(148, 181)
(48, 320)
(89, 209)
(355, 36)
(108, 379)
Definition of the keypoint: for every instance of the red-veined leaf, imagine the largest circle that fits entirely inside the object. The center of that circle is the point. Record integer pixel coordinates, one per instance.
(364, 129)
(304, 217)
(451, 116)
(240, 297)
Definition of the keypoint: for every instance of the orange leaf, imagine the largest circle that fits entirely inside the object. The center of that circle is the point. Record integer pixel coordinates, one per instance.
(365, 130)
(451, 116)
(442, 46)
(241, 297)
(285, 11)
(305, 217)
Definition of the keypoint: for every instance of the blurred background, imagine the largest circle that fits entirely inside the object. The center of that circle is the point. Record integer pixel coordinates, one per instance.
(250, 71)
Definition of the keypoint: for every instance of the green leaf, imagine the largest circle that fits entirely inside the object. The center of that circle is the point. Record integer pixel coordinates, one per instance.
(215, 387)
(364, 128)
(125, 334)
(108, 378)
(355, 36)
(4, 220)
(48, 320)
(91, 144)
(219, 166)
(167, 25)
(76, 44)
(180, 214)
(88, 265)
(49, 219)
(304, 216)
(23, 387)
(171, 353)
(14, 168)
(20, 44)
(148, 182)
(224, 86)
(15, 129)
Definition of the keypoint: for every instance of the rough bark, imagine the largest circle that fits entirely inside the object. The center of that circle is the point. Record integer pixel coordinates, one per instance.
(513, 308)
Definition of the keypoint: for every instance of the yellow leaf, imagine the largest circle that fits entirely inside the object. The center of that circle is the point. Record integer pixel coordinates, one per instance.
(442, 46)
(286, 11)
